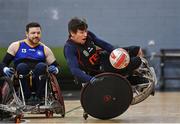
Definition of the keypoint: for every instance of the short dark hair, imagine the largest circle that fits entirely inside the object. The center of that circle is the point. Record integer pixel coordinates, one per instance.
(32, 24)
(77, 23)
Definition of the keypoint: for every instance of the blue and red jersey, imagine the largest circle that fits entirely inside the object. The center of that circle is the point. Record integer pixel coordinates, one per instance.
(83, 58)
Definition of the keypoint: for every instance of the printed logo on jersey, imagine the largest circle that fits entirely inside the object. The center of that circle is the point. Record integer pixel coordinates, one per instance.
(90, 49)
(32, 50)
(23, 50)
(93, 59)
(39, 53)
(85, 53)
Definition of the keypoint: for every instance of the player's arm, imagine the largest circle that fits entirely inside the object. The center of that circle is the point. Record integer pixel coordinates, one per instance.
(51, 61)
(11, 52)
(72, 61)
(101, 43)
(50, 58)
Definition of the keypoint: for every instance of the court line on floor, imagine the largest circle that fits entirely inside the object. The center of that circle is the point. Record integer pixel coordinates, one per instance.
(71, 110)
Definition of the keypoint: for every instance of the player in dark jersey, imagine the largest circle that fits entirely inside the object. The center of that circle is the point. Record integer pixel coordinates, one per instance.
(85, 59)
(87, 55)
(30, 56)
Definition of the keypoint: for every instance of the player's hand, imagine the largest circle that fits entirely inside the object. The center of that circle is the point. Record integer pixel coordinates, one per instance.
(8, 71)
(53, 69)
(95, 80)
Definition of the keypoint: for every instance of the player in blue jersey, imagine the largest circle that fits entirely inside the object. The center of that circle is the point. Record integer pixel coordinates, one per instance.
(85, 60)
(30, 56)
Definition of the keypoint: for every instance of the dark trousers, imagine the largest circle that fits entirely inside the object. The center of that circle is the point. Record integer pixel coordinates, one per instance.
(38, 85)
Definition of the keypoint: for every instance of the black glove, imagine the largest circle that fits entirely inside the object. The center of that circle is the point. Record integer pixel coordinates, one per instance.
(95, 80)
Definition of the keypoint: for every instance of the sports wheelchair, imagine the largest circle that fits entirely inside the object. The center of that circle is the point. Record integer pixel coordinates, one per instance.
(143, 91)
(114, 94)
(13, 101)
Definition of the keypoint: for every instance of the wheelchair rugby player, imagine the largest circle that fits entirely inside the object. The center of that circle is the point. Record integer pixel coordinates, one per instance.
(106, 91)
(35, 70)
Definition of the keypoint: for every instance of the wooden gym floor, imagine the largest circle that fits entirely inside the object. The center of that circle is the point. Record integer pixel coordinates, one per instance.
(164, 107)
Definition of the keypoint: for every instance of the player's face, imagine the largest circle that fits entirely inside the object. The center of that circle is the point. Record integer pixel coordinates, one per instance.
(79, 37)
(34, 35)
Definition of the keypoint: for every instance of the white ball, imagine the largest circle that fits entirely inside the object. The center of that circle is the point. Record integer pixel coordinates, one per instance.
(119, 58)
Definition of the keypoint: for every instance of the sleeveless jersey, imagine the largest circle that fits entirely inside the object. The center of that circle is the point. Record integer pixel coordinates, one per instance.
(29, 55)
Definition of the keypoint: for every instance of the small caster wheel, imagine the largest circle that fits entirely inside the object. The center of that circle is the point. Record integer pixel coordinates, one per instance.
(18, 119)
(63, 115)
(49, 114)
(85, 115)
(153, 93)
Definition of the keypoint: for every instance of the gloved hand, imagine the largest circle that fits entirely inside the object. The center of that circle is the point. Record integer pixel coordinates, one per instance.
(96, 80)
(8, 71)
(53, 69)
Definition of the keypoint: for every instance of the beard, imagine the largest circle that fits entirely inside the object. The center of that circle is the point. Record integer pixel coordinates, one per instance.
(34, 40)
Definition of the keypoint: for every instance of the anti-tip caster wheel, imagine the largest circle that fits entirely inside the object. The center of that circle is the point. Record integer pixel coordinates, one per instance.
(18, 119)
(49, 114)
(85, 115)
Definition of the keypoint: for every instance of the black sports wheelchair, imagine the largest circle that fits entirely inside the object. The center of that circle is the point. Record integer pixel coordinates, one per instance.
(13, 104)
(113, 95)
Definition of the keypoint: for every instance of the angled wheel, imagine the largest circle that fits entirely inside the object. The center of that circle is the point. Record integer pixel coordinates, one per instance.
(6, 90)
(107, 99)
(58, 95)
(143, 91)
